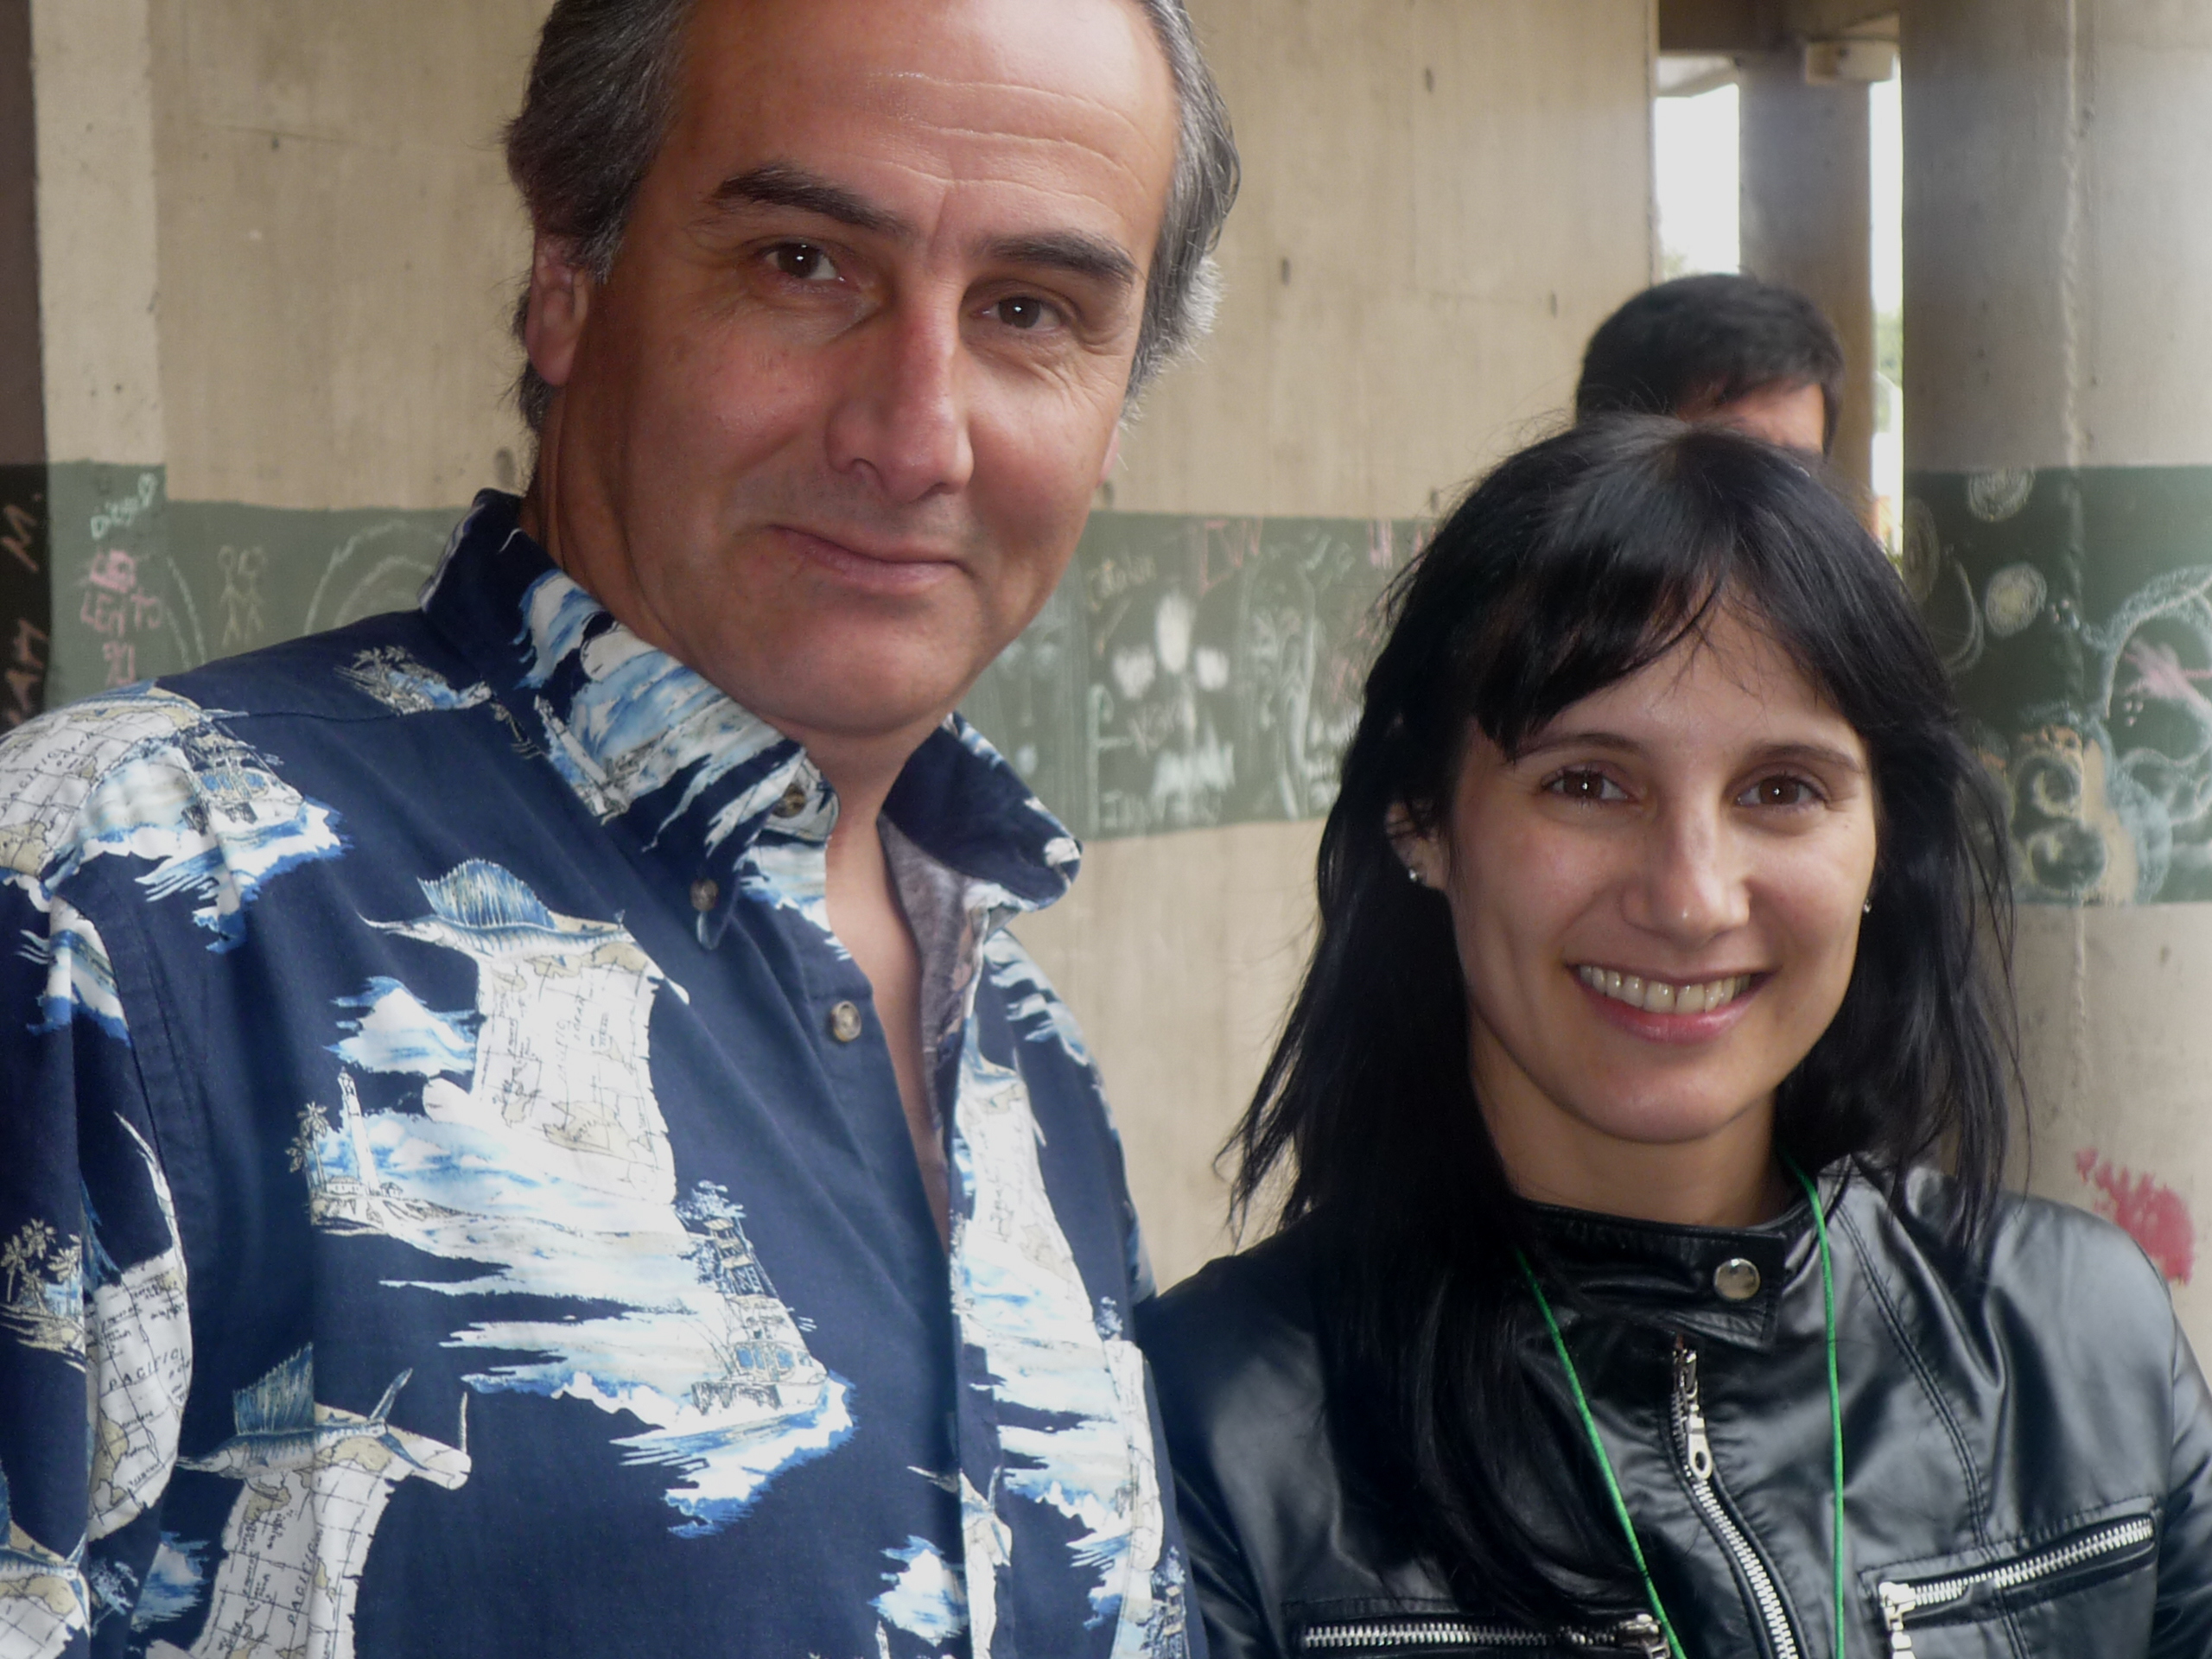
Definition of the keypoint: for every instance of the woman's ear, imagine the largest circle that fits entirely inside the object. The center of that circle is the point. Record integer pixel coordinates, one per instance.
(1419, 851)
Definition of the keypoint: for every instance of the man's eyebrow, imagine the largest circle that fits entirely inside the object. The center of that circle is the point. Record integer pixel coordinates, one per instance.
(780, 185)
(1072, 251)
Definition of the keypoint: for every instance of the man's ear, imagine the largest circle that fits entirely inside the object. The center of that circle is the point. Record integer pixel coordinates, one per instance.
(560, 298)
(1113, 453)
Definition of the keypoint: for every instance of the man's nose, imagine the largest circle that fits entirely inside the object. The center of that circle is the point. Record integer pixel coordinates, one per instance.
(902, 419)
(1689, 886)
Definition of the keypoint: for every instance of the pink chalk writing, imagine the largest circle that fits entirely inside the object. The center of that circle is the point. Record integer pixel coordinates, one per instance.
(117, 610)
(2154, 1215)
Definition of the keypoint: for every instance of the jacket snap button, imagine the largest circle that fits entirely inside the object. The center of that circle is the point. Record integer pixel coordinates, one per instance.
(793, 802)
(845, 1022)
(704, 891)
(1737, 1280)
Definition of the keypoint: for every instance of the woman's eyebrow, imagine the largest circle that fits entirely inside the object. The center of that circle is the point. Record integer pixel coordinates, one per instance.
(1806, 752)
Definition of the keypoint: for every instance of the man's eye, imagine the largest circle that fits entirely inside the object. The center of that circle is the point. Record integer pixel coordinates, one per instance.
(1779, 792)
(803, 262)
(1023, 311)
(1583, 785)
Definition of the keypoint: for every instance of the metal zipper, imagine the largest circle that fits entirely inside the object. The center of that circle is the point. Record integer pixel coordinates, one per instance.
(1697, 1464)
(1639, 1635)
(1900, 1599)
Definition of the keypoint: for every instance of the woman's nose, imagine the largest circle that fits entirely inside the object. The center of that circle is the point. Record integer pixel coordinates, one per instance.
(1689, 886)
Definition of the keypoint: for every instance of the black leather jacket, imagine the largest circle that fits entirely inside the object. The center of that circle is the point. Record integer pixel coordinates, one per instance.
(2029, 1453)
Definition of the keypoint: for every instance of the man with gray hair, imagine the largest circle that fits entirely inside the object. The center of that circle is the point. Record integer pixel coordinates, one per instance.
(526, 1131)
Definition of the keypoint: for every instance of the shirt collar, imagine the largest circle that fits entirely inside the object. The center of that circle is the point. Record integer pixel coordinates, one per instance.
(702, 785)
(1727, 1283)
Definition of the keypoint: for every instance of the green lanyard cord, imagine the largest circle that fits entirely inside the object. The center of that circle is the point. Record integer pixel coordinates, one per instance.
(1605, 1464)
(1835, 1388)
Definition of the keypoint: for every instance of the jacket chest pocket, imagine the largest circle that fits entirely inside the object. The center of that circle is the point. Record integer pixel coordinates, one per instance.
(2085, 1588)
(1380, 1629)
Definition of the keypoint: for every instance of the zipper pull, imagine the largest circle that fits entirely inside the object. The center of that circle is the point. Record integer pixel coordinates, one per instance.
(1898, 1600)
(1689, 1408)
(1642, 1634)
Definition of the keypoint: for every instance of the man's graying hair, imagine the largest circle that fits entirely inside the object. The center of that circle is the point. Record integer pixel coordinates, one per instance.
(602, 89)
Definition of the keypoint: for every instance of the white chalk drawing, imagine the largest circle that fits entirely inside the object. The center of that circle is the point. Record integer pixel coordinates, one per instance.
(1993, 497)
(2013, 598)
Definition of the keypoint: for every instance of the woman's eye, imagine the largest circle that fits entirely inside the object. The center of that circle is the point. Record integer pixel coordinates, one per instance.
(803, 262)
(1590, 786)
(1023, 311)
(1779, 792)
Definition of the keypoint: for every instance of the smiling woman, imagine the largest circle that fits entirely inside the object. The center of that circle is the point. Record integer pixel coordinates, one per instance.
(1610, 1135)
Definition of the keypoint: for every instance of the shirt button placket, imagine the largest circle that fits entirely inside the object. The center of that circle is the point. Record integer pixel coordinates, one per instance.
(844, 1021)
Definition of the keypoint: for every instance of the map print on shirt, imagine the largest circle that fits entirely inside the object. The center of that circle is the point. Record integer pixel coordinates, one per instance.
(551, 1171)
(138, 1351)
(146, 773)
(41, 1594)
(316, 1482)
(1019, 1297)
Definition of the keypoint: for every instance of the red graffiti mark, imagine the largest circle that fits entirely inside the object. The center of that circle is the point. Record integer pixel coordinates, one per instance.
(2154, 1215)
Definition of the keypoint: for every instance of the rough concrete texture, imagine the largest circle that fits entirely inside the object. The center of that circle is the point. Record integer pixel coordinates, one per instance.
(2054, 282)
(339, 246)
(1807, 219)
(2116, 1056)
(99, 270)
(2054, 286)
(1441, 200)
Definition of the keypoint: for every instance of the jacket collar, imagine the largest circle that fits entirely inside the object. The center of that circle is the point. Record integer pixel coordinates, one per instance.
(1672, 1275)
(697, 782)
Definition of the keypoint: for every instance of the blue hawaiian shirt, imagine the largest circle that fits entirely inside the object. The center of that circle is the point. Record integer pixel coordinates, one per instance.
(454, 1197)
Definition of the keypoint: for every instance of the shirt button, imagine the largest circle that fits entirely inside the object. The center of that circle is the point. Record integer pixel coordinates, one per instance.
(793, 802)
(1737, 1280)
(704, 891)
(845, 1022)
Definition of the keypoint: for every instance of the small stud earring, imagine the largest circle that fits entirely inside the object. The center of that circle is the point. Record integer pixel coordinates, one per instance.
(1413, 874)
(1867, 909)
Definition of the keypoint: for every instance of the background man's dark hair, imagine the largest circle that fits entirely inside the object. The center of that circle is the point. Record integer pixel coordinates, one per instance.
(1699, 342)
(602, 89)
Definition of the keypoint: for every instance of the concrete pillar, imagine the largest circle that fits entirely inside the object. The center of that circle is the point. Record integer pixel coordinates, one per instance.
(2058, 530)
(1806, 221)
(26, 599)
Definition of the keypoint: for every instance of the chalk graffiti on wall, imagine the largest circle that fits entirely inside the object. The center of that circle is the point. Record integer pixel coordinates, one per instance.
(149, 585)
(1194, 672)
(2152, 1215)
(2077, 613)
(25, 609)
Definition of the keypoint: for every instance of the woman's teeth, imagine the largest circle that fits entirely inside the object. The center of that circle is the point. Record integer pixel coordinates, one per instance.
(1657, 996)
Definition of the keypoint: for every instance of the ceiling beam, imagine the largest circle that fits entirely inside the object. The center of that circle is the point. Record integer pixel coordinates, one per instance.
(1718, 26)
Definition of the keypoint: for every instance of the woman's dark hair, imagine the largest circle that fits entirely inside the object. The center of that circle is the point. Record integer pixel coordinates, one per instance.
(1575, 563)
(1710, 339)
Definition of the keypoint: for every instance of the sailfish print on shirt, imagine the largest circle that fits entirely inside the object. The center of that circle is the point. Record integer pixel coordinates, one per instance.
(314, 1481)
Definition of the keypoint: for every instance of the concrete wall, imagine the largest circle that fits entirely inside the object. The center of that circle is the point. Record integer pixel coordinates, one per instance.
(1442, 198)
(279, 251)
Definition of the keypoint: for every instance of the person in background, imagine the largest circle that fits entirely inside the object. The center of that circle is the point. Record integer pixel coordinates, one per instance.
(524, 1131)
(1721, 348)
(1644, 1283)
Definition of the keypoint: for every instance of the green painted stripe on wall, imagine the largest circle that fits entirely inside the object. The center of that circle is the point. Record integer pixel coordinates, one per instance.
(2075, 608)
(1188, 672)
